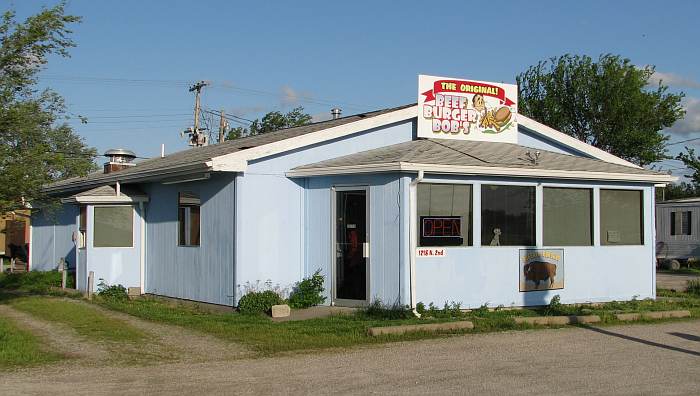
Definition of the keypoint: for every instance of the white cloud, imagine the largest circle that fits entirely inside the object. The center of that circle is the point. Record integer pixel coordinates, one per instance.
(321, 116)
(691, 122)
(291, 97)
(673, 80)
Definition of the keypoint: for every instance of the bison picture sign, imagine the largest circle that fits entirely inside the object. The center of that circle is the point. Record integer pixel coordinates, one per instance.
(541, 269)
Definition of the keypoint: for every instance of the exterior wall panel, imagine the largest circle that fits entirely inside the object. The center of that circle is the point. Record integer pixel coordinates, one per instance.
(52, 238)
(204, 273)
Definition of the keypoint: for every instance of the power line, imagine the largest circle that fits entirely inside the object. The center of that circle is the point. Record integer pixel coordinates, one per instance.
(683, 141)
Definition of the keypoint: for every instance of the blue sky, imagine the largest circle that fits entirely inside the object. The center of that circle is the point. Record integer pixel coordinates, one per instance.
(134, 61)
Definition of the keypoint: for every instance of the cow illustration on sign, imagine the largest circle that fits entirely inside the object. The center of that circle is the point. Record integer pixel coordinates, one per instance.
(541, 269)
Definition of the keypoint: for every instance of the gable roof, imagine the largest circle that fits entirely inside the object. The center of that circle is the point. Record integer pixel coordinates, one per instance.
(474, 157)
(108, 194)
(199, 159)
(233, 155)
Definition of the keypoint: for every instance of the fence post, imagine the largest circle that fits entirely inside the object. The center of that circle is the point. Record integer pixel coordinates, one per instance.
(91, 280)
(12, 265)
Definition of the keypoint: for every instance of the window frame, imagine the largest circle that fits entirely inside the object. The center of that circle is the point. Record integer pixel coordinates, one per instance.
(133, 227)
(594, 210)
(673, 222)
(188, 221)
(537, 212)
(642, 215)
(470, 224)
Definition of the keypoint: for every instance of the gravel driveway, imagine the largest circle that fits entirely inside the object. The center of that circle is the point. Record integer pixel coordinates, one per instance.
(634, 359)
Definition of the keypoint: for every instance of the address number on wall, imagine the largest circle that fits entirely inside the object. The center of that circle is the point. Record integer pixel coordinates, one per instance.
(422, 252)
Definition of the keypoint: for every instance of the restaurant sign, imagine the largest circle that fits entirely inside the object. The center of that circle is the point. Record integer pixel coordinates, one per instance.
(450, 108)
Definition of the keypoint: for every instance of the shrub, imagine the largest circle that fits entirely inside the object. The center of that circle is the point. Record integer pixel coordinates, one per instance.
(308, 292)
(694, 287)
(259, 302)
(377, 310)
(111, 292)
(32, 281)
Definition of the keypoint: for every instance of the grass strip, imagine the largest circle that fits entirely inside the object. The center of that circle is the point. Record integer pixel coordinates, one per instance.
(85, 320)
(19, 347)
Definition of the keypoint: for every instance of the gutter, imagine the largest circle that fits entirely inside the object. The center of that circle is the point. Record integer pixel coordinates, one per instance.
(482, 170)
(155, 174)
(413, 243)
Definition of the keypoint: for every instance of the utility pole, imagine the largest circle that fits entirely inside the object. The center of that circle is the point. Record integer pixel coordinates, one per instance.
(197, 138)
(223, 125)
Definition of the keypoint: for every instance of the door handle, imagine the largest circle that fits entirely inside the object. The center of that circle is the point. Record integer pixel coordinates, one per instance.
(365, 249)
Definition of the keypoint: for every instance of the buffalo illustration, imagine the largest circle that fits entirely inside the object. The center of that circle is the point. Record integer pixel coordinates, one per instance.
(538, 271)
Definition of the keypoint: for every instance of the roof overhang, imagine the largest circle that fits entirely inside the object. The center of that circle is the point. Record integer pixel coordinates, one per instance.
(155, 175)
(481, 171)
(121, 199)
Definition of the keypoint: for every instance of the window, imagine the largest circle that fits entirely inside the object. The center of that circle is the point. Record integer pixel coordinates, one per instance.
(621, 217)
(680, 223)
(444, 214)
(113, 226)
(567, 217)
(507, 215)
(188, 219)
(82, 227)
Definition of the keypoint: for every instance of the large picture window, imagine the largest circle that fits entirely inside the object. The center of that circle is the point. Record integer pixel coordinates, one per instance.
(444, 214)
(621, 217)
(188, 219)
(507, 215)
(113, 226)
(567, 217)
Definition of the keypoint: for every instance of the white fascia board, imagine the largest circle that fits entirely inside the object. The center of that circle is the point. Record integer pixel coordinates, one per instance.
(482, 171)
(569, 141)
(238, 161)
(105, 200)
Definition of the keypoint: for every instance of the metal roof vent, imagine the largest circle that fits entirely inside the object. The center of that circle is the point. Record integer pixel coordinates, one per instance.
(335, 112)
(118, 159)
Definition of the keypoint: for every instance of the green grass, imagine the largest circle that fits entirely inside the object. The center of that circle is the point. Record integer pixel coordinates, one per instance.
(259, 332)
(682, 271)
(84, 319)
(32, 282)
(21, 348)
(268, 337)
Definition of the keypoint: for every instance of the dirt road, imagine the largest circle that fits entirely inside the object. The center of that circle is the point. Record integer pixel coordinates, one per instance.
(637, 359)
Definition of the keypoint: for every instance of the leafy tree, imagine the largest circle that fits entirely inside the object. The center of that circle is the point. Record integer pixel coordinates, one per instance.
(692, 161)
(272, 121)
(608, 103)
(37, 146)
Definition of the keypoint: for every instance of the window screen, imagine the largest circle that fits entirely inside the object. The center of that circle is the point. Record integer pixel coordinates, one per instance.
(507, 215)
(567, 217)
(681, 223)
(188, 219)
(621, 217)
(113, 226)
(444, 214)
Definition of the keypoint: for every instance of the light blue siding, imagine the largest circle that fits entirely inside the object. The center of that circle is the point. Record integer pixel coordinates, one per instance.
(529, 139)
(112, 265)
(270, 207)
(51, 238)
(204, 273)
(386, 233)
(480, 275)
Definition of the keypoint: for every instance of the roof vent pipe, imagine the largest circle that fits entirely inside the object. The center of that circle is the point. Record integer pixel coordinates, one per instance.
(335, 112)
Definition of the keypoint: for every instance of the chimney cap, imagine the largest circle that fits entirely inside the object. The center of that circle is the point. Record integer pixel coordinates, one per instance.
(119, 152)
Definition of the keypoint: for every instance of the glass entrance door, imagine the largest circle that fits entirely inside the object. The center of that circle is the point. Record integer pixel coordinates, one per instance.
(351, 246)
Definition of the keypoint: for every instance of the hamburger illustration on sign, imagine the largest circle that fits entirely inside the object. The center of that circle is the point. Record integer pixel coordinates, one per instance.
(451, 108)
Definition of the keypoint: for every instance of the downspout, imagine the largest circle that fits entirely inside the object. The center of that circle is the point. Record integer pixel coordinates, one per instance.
(142, 253)
(413, 216)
